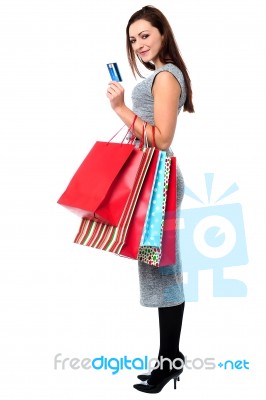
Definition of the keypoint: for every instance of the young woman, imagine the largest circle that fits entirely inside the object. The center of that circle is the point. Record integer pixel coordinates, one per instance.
(158, 100)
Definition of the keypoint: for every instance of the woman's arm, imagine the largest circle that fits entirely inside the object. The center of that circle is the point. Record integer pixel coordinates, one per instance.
(166, 92)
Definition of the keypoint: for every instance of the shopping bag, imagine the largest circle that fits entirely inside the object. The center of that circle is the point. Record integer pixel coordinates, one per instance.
(113, 238)
(165, 253)
(150, 252)
(168, 248)
(102, 184)
(131, 244)
(151, 235)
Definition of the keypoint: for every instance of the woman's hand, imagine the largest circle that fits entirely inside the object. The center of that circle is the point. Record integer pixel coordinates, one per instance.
(115, 94)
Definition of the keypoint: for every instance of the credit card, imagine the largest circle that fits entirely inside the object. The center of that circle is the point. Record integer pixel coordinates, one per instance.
(114, 72)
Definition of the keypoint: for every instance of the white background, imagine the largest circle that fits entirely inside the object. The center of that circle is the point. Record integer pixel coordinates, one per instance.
(58, 297)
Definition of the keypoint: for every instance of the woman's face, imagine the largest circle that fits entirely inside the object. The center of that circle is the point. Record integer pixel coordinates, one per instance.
(146, 41)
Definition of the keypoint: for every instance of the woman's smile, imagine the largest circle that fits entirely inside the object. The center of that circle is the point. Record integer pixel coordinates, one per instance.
(143, 53)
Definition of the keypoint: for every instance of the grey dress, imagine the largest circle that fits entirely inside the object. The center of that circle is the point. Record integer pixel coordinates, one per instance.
(163, 286)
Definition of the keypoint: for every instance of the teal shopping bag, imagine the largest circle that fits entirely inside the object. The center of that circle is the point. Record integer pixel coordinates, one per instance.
(153, 227)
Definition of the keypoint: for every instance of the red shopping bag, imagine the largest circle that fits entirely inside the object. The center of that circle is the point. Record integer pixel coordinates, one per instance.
(168, 254)
(113, 238)
(102, 184)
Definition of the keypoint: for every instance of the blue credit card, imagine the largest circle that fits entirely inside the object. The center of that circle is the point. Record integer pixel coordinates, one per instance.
(114, 72)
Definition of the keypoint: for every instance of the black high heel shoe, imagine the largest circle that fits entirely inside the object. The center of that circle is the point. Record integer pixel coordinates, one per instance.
(145, 377)
(147, 388)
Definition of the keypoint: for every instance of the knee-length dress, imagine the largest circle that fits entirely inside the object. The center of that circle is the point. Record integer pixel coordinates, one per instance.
(163, 286)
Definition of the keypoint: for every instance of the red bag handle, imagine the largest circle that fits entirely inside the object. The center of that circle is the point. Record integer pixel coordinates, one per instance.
(132, 128)
(133, 137)
(129, 129)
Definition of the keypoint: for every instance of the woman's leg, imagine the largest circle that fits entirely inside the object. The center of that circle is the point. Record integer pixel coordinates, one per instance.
(170, 325)
(163, 288)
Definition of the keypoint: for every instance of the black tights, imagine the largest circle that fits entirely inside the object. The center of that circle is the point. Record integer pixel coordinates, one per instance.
(170, 324)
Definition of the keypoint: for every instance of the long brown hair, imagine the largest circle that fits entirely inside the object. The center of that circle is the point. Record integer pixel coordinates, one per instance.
(169, 52)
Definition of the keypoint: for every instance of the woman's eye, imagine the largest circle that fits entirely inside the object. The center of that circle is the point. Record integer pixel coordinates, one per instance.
(145, 36)
(132, 41)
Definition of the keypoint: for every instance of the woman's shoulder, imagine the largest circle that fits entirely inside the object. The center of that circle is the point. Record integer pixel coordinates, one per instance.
(173, 69)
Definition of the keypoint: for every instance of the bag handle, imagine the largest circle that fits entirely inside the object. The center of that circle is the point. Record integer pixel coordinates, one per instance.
(145, 139)
(132, 127)
(153, 136)
(133, 137)
(145, 135)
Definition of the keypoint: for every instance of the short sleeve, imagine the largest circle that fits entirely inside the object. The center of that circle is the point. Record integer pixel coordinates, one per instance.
(179, 77)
